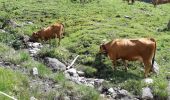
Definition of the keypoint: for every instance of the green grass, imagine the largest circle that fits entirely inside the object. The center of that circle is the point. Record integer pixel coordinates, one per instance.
(14, 84)
(86, 26)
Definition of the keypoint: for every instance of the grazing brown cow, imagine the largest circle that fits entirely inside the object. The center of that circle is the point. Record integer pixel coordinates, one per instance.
(53, 31)
(142, 49)
(156, 2)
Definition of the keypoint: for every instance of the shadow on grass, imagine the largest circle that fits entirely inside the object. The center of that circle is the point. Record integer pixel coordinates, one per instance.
(105, 71)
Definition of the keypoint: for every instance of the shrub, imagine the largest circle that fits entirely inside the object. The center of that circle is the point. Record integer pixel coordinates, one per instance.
(89, 71)
(133, 86)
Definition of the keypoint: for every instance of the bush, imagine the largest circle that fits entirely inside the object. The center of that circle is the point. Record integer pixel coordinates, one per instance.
(133, 86)
(89, 71)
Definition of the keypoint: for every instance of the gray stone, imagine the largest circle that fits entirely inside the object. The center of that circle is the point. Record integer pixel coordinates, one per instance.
(155, 68)
(148, 80)
(36, 45)
(111, 90)
(34, 71)
(124, 92)
(66, 98)
(75, 79)
(128, 17)
(32, 51)
(80, 73)
(25, 39)
(54, 64)
(98, 82)
(2, 31)
(30, 23)
(67, 75)
(72, 71)
(33, 98)
(89, 85)
(146, 93)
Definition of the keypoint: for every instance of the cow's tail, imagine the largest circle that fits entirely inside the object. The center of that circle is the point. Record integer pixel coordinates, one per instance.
(153, 59)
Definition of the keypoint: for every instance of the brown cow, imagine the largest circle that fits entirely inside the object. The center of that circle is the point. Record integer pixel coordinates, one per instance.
(53, 31)
(156, 2)
(142, 49)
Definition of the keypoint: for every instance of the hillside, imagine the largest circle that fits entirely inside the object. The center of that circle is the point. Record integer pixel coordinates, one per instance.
(87, 25)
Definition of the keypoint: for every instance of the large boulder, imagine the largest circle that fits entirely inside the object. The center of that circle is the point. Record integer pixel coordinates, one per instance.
(147, 94)
(54, 64)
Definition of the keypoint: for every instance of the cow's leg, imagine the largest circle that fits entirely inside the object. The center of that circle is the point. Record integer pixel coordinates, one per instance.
(154, 2)
(133, 1)
(125, 62)
(113, 64)
(59, 41)
(148, 67)
(59, 37)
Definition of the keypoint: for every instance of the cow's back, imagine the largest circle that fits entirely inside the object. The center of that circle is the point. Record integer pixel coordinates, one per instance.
(133, 49)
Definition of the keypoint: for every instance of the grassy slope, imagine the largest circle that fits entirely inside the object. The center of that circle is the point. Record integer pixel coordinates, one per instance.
(87, 25)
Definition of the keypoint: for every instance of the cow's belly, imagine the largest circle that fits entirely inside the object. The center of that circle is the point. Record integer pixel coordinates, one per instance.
(134, 58)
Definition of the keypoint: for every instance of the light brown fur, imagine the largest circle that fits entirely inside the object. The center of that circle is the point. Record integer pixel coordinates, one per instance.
(142, 49)
(53, 31)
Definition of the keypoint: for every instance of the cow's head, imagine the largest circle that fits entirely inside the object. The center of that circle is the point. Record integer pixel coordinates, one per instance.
(103, 49)
(34, 36)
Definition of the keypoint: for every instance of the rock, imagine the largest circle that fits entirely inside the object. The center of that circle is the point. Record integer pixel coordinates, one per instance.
(67, 75)
(2, 31)
(34, 71)
(30, 23)
(123, 92)
(148, 80)
(146, 93)
(75, 79)
(102, 96)
(111, 90)
(89, 85)
(11, 23)
(80, 73)
(98, 82)
(33, 98)
(155, 67)
(37, 45)
(72, 71)
(66, 98)
(32, 51)
(25, 39)
(29, 44)
(128, 17)
(54, 64)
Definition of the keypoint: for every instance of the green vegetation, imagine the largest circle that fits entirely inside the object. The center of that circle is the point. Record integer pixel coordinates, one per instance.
(86, 26)
(82, 92)
(13, 81)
